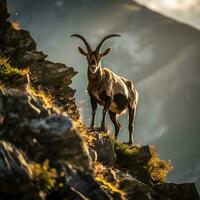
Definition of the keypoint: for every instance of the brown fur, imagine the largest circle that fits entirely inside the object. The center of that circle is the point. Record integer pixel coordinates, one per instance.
(108, 81)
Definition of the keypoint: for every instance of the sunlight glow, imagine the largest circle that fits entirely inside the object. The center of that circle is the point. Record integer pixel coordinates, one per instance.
(172, 4)
(184, 10)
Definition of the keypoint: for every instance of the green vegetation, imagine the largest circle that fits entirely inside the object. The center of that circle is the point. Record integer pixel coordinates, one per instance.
(101, 176)
(43, 176)
(118, 194)
(125, 153)
(45, 97)
(15, 25)
(10, 75)
(46, 179)
(7, 70)
(132, 159)
(158, 168)
(124, 149)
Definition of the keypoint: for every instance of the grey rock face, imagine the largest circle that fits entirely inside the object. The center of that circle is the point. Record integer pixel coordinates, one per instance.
(104, 149)
(85, 184)
(44, 134)
(53, 78)
(38, 131)
(15, 174)
(137, 164)
(3, 15)
(185, 191)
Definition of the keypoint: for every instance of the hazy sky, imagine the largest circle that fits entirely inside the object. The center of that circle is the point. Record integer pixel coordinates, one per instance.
(187, 11)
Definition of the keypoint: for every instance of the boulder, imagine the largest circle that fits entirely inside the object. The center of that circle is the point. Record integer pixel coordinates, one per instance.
(16, 43)
(40, 132)
(46, 135)
(132, 188)
(172, 191)
(103, 148)
(135, 189)
(48, 74)
(134, 160)
(85, 184)
(30, 57)
(15, 174)
(53, 78)
(4, 24)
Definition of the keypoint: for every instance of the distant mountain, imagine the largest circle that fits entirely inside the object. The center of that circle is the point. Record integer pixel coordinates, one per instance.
(160, 54)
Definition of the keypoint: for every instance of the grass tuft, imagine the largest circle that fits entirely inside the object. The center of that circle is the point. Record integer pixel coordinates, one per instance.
(124, 151)
(43, 176)
(15, 25)
(12, 76)
(118, 194)
(7, 70)
(158, 168)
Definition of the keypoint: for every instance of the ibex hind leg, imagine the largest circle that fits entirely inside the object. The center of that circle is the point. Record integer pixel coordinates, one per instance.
(132, 112)
(113, 117)
(108, 100)
(94, 108)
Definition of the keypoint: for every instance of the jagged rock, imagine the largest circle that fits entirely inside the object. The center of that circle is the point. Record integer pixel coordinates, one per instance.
(54, 78)
(4, 12)
(85, 184)
(48, 74)
(3, 16)
(136, 164)
(38, 131)
(15, 174)
(142, 156)
(31, 57)
(78, 185)
(67, 193)
(43, 134)
(135, 189)
(171, 191)
(55, 83)
(17, 42)
(103, 148)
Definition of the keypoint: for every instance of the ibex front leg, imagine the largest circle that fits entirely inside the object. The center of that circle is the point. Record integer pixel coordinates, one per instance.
(94, 108)
(107, 100)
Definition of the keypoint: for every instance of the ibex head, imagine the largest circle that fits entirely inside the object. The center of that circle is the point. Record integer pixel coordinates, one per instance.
(94, 57)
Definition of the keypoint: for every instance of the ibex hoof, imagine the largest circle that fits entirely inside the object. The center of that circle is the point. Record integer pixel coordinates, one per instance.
(104, 129)
(130, 143)
(90, 129)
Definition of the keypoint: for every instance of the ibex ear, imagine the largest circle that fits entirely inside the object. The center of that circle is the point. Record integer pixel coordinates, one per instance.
(104, 53)
(82, 51)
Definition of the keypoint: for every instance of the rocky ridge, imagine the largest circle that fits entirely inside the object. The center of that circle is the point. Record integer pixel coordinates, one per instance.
(46, 151)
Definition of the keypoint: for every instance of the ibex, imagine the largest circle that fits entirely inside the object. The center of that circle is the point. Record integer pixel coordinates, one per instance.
(114, 93)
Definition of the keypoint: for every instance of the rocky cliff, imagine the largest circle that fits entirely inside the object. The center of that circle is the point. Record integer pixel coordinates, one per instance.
(45, 149)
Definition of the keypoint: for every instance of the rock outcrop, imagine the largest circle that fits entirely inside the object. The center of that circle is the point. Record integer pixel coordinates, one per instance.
(54, 78)
(46, 151)
(15, 174)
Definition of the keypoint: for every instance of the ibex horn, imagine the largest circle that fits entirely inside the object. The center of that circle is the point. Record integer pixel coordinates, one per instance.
(104, 39)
